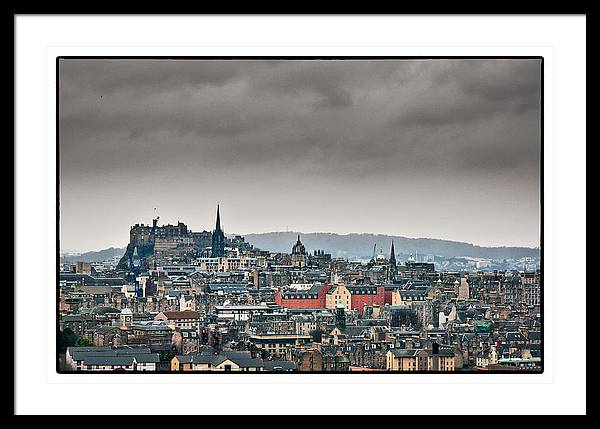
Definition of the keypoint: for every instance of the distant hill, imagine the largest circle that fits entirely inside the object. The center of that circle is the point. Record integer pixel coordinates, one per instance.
(351, 246)
(360, 246)
(97, 256)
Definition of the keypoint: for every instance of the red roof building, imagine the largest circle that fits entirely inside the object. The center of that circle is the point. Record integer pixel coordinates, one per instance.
(311, 298)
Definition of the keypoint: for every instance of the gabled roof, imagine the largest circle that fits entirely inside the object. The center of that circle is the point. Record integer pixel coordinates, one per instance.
(354, 331)
(242, 359)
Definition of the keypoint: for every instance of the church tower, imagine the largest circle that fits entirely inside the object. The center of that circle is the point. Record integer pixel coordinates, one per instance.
(218, 238)
(299, 254)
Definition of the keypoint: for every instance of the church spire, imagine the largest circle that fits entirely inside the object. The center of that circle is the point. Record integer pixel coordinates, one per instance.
(392, 268)
(218, 225)
(218, 238)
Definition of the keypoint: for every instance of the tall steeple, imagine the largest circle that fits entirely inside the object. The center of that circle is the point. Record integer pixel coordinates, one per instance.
(218, 238)
(392, 255)
(392, 268)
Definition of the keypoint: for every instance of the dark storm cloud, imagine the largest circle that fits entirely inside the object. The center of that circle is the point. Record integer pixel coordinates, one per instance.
(326, 83)
(502, 80)
(109, 76)
(304, 125)
(470, 91)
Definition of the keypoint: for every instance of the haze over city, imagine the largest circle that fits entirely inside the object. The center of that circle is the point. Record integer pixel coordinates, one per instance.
(446, 149)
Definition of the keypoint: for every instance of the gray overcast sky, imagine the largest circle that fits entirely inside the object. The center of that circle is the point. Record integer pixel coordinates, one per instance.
(444, 149)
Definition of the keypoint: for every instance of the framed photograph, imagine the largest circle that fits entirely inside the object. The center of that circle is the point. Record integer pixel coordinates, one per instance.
(383, 214)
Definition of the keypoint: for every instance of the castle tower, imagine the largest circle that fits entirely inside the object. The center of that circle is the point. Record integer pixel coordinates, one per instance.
(218, 238)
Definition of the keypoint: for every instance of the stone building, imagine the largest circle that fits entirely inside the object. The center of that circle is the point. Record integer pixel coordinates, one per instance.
(299, 256)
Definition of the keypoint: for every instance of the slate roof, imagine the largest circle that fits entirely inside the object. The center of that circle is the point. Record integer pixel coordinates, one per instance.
(108, 360)
(82, 353)
(311, 293)
(248, 363)
(443, 351)
(111, 356)
(242, 359)
(404, 352)
(178, 293)
(280, 365)
(202, 358)
(413, 292)
(362, 290)
(185, 359)
(228, 287)
(372, 322)
(354, 331)
(87, 280)
(147, 358)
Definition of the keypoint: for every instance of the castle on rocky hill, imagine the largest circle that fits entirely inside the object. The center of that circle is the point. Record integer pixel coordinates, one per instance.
(151, 245)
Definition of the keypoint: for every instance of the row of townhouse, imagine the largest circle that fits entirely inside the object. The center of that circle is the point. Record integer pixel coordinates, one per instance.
(124, 358)
(227, 362)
